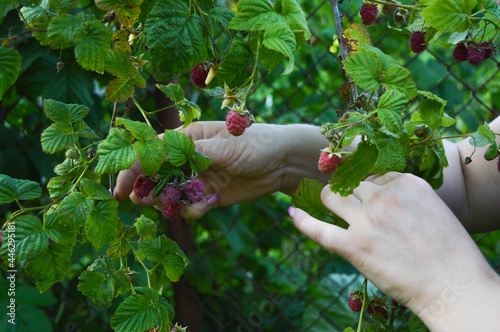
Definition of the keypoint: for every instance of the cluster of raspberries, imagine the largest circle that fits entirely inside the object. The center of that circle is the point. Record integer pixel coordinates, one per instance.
(174, 196)
(473, 53)
(376, 305)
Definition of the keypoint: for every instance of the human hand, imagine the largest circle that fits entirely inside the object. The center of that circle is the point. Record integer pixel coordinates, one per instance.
(407, 242)
(265, 159)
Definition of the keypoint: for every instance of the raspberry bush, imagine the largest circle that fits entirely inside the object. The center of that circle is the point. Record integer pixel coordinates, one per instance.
(121, 44)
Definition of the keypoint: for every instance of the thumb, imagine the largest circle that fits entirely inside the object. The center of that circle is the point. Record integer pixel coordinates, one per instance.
(327, 235)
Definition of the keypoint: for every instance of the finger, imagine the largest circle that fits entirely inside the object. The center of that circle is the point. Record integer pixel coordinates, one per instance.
(327, 235)
(126, 180)
(203, 129)
(383, 179)
(198, 210)
(346, 208)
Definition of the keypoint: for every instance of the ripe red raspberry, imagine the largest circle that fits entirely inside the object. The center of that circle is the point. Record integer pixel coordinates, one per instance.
(488, 50)
(194, 190)
(328, 164)
(171, 195)
(143, 186)
(368, 14)
(475, 55)
(417, 41)
(199, 75)
(170, 211)
(355, 301)
(460, 52)
(375, 308)
(236, 123)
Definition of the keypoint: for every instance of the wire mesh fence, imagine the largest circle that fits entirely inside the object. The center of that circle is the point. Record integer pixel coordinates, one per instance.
(250, 269)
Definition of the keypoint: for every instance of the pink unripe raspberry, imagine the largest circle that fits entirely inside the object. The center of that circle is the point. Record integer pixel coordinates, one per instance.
(199, 75)
(475, 56)
(171, 195)
(236, 123)
(460, 52)
(417, 41)
(194, 191)
(170, 211)
(328, 162)
(143, 186)
(368, 14)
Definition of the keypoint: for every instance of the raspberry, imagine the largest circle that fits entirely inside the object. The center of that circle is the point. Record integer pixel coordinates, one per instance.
(199, 75)
(236, 123)
(498, 164)
(171, 195)
(355, 301)
(475, 55)
(374, 308)
(194, 190)
(328, 164)
(460, 52)
(143, 186)
(417, 42)
(488, 50)
(170, 211)
(368, 14)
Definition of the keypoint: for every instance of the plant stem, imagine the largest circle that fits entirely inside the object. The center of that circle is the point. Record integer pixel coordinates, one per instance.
(391, 314)
(22, 18)
(365, 290)
(397, 5)
(141, 262)
(143, 112)
(19, 203)
(111, 125)
(161, 109)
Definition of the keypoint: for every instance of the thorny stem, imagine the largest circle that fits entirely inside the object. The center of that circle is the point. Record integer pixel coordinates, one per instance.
(143, 112)
(340, 36)
(365, 291)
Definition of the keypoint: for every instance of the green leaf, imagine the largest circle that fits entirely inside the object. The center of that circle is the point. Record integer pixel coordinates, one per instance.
(146, 227)
(199, 162)
(234, 69)
(387, 61)
(10, 189)
(428, 159)
(365, 68)
(75, 208)
(122, 88)
(176, 38)
(222, 15)
(139, 130)
(62, 231)
(391, 120)
(136, 313)
(391, 157)
(491, 152)
(83, 130)
(118, 63)
(392, 99)
(431, 111)
(10, 66)
(399, 79)
(172, 91)
(94, 190)
(353, 169)
(58, 137)
(103, 225)
(65, 113)
(179, 147)
(31, 296)
(94, 43)
(7, 189)
(58, 187)
(449, 15)
(63, 6)
(188, 111)
(254, 15)
(415, 324)
(151, 154)
(308, 198)
(30, 239)
(50, 266)
(295, 18)
(116, 153)
(118, 248)
(62, 31)
(121, 282)
(108, 4)
(127, 15)
(483, 136)
(281, 39)
(96, 286)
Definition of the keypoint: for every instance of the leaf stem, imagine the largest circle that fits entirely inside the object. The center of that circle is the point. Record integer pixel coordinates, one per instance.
(141, 262)
(22, 18)
(19, 203)
(161, 109)
(143, 112)
(365, 290)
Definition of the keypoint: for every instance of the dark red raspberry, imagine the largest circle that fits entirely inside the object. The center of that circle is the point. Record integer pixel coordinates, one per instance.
(417, 41)
(170, 211)
(375, 308)
(368, 14)
(475, 56)
(199, 75)
(143, 186)
(236, 123)
(355, 301)
(171, 195)
(488, 50)
(498, 164)
(460, 52)
(194, 191)
(328, 162)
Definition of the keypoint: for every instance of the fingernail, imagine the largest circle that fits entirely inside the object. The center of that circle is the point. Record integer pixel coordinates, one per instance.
(291, 211)
(147, 200)
(213, 199)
